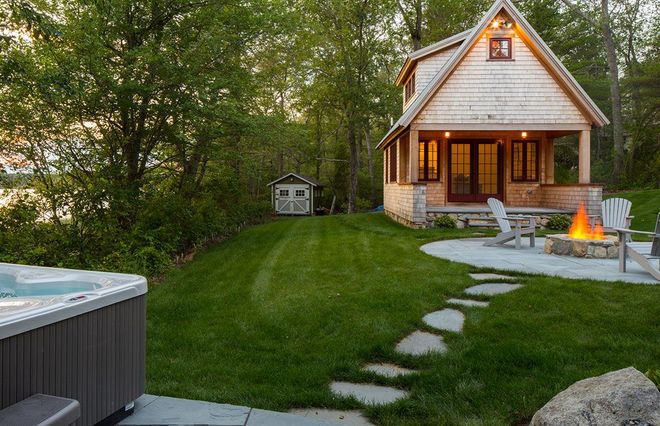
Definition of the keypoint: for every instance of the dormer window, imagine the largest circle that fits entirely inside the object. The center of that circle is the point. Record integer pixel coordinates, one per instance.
(409, 89)
(500, 48)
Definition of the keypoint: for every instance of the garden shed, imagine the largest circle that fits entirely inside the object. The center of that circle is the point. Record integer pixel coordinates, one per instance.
(295, 194)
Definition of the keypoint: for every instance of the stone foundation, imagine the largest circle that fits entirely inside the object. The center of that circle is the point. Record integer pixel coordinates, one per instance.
(481, 219)
(563, 245)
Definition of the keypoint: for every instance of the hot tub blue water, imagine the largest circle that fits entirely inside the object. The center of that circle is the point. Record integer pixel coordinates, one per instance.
(9, 287)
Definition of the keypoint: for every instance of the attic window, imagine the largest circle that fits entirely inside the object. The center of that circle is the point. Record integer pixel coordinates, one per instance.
(409, 90)
(500, 48)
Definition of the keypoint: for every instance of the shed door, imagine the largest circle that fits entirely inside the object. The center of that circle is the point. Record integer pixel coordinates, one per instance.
(292, 199)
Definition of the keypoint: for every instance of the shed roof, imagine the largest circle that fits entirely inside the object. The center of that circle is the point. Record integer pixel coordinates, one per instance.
(307, 179)
(555, 67)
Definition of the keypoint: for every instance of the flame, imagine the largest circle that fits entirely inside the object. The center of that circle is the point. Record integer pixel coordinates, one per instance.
(581, 229)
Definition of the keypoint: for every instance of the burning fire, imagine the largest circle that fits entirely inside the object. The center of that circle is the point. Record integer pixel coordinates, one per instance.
(581, 229)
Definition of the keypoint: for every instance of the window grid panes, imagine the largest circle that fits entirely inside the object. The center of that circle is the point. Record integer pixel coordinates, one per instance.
(500, 48)
(488, 169)
(460, 168)
(525, 161)
(284, 192)
(409, 89)
(300, 192)
(428, 160)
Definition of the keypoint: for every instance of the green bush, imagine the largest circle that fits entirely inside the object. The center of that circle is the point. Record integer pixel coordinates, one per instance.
(559, 222)
(444, 222)
(654, 376)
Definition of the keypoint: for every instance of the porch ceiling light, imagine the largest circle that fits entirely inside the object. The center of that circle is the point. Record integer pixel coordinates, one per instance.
(447, 134)
(524, 135)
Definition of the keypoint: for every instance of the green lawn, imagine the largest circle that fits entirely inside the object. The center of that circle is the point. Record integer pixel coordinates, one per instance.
(270, 317)
(645, 208)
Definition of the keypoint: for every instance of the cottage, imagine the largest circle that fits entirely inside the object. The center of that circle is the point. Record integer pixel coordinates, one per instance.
(480, 112)
(295, 194)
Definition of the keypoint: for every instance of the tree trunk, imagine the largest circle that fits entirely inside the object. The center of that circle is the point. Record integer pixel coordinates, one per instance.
(615, 92)
(370, 161)
(353, 165)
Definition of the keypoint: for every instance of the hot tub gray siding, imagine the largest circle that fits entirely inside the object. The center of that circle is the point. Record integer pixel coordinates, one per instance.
(97, 358)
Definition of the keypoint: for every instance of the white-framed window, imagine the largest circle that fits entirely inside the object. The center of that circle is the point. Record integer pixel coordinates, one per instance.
(284, 192)
(300, 192)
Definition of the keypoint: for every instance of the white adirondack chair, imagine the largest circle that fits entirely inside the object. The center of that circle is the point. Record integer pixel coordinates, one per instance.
(615, 213)
(642, 253)
(507, 232)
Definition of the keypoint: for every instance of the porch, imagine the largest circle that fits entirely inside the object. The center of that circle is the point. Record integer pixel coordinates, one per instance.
(434, 172)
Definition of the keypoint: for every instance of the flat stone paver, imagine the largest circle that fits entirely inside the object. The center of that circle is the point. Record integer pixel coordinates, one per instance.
(446, 319)
(532, 260)
(491, 289)
(163, 410)
(156, 410)
(368, 394)
(421, 343)
(468, 302)
(488, 276)
(339, 417)
(387, 370)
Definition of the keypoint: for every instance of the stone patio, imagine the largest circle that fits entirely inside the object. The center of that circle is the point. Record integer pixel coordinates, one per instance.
(156, 410)
(534, 261)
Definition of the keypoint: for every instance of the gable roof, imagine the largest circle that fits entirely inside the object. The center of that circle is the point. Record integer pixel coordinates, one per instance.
(415, 56)
(530, 37)
(308, 179)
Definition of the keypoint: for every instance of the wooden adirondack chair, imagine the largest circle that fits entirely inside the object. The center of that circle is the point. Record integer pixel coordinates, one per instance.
(504, 223)
(642, 253)
(615, 213)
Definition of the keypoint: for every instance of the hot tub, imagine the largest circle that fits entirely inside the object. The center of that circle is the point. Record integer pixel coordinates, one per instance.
(74, 334)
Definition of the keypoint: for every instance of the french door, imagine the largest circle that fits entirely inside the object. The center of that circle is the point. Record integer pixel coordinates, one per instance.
(475, 170)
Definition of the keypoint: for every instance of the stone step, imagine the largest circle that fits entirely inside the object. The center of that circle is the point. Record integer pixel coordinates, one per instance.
(421, 343)
(468, 302)
(489, 276)
(367, 393)
(446, 319)
(491, 289)
(387, 370)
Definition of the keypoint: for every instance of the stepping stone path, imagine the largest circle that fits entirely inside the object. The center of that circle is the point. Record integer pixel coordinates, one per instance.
(421, 343)
(467, 302)
(416, 343)
(446, 319)
(387, 370)
(348, 417)
(489, 276)
(368, 394)
(491, 289)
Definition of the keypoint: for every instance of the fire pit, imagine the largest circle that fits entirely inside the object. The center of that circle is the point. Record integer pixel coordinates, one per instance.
(583, 240)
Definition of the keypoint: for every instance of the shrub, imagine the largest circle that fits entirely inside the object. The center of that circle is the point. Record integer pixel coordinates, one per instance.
(444, 222)
(559, 222)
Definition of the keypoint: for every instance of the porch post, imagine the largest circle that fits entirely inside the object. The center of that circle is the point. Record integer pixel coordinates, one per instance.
(549, 161)
(584, 157)
(414, 156)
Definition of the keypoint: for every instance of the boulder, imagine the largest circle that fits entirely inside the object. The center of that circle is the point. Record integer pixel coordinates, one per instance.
(622, 397)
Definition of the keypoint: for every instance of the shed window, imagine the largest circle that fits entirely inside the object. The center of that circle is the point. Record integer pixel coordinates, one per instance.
(525, 161)
(284, 192)
(393, 162)
(300, 192)
(428, 160)
(409, 89)
(500, 48)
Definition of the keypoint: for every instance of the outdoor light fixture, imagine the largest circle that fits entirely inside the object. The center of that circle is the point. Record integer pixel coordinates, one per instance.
(447, 134)
(524, 135)
(501, 23)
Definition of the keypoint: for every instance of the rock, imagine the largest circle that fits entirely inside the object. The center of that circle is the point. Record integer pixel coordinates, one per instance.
(622, 397)
(613, 252)
(600, 252)
(579, 248)
(547, 246)
(562, 247)
(468, 302)
(489, 276)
